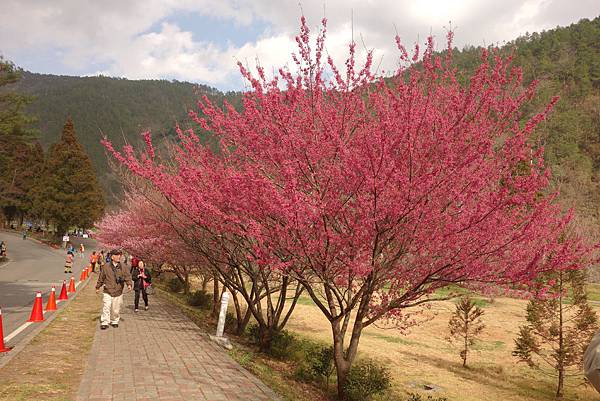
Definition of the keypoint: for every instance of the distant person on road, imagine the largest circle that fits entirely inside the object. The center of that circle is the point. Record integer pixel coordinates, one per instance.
(81, 250)
(114, 276)
(101, 260)
(69, 262)
(94, 260)
(2, 249)
(141, 279)
(24, 234)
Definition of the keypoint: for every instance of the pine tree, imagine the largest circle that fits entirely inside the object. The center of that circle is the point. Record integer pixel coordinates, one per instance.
(16, 140)
(560, 324)
(13, 119)
(465, 325)
(27, 161)
(68, 193)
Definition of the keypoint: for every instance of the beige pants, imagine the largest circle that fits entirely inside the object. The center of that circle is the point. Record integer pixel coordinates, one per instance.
(111, 306)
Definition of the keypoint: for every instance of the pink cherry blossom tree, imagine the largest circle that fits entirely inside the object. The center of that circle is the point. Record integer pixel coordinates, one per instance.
(373, 191)
(149, 230)
(149, 226)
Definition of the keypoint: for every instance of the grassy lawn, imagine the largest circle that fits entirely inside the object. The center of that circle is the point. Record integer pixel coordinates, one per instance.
(593, 292)
(422, 356)
(51, 365)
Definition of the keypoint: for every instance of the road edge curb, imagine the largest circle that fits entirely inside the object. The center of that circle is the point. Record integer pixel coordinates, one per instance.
(4, 359)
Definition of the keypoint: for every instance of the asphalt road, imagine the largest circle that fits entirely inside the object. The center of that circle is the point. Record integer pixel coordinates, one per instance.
(32, 267)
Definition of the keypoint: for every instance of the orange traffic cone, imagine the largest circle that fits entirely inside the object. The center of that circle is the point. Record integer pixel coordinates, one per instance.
(63, 292)
(71, 285)
(51, 305)
(36, 313)
(2, 347)
(82, 275)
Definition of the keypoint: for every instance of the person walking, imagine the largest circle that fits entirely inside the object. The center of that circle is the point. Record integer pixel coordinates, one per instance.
(113, 276)
(101, 260)
(81, 250)
(94, 261)
(2, 249)
(69, 262)
(134, 262)
(141, 279)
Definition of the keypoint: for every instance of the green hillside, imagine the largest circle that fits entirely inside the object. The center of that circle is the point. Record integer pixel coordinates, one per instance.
(119, 108)
(566, 62)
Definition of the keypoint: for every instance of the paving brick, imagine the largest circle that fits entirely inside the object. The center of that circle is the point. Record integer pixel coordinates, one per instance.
(160, 355)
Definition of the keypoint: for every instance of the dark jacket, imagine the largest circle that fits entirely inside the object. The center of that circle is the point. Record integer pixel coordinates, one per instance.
(108, 276)
(137, 280)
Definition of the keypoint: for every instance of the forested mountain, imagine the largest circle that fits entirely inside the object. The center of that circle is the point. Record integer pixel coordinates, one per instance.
(119, 108)
(565, 60)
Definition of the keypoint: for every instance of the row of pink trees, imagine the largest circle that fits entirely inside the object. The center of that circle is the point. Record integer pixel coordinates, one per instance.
(149, 227)
(372, 192)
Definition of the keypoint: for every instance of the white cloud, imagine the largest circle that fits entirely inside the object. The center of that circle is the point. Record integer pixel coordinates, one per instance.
(117, 34)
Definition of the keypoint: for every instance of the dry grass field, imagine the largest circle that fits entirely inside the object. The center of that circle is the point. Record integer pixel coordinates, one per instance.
(423, 356)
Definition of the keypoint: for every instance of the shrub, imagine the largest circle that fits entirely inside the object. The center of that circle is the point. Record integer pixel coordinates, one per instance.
(200, 299)
(314, 361)
(365, 379)
(321, 363)
(281, 344)
(303, 373)
(246, 359)
(230, 322)
(175, 285)
(253, 333)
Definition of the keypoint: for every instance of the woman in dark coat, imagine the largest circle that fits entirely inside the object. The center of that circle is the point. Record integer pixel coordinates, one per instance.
(141, 279)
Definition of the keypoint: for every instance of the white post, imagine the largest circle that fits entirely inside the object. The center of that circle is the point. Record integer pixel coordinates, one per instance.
(222, 314)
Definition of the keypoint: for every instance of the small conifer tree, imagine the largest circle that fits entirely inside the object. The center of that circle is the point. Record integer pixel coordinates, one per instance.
(560, 324)
(67, 192)
(465, 325)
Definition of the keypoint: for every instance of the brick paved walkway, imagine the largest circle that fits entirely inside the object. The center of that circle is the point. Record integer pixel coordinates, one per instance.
(160, 355)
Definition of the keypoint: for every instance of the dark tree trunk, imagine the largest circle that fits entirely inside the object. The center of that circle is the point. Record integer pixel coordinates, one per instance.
(561, 343)
(344, 357)
(205, 280)
(186, 282)
(244, 322)
(561, 380)
(265, 337)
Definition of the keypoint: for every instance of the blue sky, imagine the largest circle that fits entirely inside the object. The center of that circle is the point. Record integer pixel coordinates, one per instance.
(221, 31)
(201, 40)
